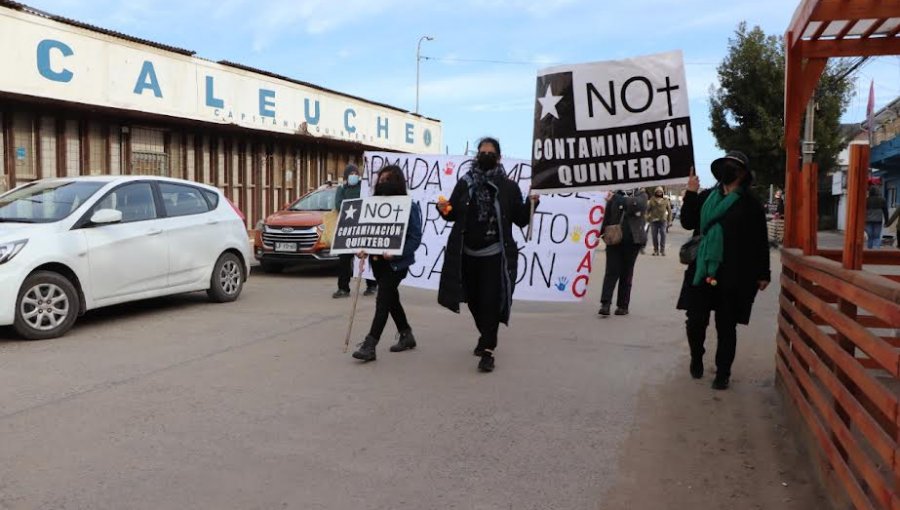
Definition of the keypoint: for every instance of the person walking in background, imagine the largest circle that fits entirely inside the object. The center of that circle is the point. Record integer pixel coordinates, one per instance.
(876, 215)
(348, 191)
(732, 261)
(628, 211)
(481, 259)
(891, 221)
(659, 215)
(390, 271)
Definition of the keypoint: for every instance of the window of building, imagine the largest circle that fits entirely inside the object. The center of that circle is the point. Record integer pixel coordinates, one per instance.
(48, 147)
(148, 152)
(97, 150)
(73, 149)
(24, 157)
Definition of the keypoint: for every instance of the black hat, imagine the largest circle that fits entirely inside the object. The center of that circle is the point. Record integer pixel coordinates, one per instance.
(351, 168)
(735, 156)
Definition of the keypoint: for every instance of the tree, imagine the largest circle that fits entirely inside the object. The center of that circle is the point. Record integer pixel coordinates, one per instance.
(747, 110)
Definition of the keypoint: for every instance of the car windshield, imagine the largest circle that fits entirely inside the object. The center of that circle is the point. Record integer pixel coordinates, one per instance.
(322, 200)
(45, 202)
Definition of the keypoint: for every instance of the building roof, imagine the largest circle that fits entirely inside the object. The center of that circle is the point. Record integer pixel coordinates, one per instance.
(190, 53)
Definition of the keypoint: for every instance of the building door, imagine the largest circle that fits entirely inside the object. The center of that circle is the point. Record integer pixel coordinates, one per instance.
(148, 152)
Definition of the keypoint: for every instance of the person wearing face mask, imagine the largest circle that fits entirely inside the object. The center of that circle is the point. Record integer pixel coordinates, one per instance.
(627, 209)
(732, 261)
(480, 262)
(659, 215)
(390, 271)
(349, 191)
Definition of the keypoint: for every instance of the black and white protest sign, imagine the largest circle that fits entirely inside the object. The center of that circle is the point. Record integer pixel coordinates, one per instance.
(609, 125)
(376, 225)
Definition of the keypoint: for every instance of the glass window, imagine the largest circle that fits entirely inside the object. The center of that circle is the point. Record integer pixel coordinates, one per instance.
(212, 198)
(322, 200)
(135, 201)
(182, 200)
(45, 201)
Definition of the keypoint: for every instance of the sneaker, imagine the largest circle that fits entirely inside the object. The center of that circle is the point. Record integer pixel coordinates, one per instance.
(341, 294)
(656, 254)
(405, 340)
(370, 291)
(720, 383)
(696, 368)
(487, 362)
(366, 350)
(604, 309)
(621, 310)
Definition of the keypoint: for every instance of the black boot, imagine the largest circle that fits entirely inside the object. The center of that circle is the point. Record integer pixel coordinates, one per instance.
(366, 350)
(405, 341)
(621, 310)
(696, 368)
(604, 309)
(487, 362)
(720, 382)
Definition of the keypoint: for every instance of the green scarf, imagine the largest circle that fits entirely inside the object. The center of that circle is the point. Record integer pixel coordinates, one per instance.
(712, 248)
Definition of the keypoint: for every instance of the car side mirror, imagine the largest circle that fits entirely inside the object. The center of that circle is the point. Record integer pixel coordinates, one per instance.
(106, 217)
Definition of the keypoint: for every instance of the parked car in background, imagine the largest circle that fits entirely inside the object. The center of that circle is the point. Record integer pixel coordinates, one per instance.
(74, 244)
(294, 235)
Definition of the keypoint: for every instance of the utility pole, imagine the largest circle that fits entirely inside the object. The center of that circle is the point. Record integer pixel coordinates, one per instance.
(418, 62)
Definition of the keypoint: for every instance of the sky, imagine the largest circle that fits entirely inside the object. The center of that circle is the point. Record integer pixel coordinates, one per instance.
(368, 48)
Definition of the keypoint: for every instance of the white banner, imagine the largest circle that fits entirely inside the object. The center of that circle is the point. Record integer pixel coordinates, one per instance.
(555, 266)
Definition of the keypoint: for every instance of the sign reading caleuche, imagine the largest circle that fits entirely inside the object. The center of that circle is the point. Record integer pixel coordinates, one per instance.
(611, 125)
(376, 225)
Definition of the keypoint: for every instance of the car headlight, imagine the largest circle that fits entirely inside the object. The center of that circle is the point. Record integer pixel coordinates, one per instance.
(261, 226)
(11, 249)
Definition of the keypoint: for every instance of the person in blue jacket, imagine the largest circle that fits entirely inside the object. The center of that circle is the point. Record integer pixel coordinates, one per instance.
(390, 271)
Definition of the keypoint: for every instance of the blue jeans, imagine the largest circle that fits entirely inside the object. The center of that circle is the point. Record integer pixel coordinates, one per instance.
(873, 230)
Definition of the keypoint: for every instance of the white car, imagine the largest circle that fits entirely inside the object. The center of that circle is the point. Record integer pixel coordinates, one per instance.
(74, 244)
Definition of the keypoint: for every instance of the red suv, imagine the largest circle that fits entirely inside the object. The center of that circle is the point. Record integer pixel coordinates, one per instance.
(294, 235)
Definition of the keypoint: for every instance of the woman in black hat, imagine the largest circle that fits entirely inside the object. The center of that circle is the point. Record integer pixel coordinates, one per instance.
(732, 262)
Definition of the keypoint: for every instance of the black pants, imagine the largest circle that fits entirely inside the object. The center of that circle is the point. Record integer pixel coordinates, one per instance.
(620, 260)
(388, 300)
(483, 294)
(726, 329)
(345, 273)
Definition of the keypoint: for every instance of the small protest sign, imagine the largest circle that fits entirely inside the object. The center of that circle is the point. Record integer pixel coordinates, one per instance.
(612, 125)
(374, 225)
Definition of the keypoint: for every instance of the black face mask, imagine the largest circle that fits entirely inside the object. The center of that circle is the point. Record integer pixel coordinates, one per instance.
(388, 189)
(726, 174)
(487, 160)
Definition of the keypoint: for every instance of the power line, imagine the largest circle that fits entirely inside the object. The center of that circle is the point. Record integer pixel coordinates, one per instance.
(525, 62)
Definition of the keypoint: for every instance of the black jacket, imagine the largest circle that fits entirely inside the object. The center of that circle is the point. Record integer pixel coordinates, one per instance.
(746, 257)
(511, 209)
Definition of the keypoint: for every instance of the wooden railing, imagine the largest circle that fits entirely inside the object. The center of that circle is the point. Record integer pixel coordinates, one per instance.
(839, 360)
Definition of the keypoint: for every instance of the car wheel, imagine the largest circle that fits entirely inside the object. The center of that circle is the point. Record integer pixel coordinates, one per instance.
(271, 267)
(227, 279)
(46, 307)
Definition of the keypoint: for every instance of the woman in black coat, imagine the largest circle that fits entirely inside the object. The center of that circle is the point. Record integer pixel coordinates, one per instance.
(728, 282)
(481, 259)
(627, 211)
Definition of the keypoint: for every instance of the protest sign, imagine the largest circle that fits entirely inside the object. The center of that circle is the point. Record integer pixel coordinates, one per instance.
(374, 225)
(612, 125)
(554, 266)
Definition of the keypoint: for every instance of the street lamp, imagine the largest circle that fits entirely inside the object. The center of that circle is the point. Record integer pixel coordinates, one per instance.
(419, 61)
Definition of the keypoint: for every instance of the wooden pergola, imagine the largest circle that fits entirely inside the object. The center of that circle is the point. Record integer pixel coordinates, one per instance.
(838, 347)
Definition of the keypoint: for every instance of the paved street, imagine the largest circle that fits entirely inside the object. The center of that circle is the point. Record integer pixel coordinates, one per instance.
(182, 404)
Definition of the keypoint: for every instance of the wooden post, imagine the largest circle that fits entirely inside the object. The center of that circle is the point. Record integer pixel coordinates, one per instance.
(857, 176)
(810, 213)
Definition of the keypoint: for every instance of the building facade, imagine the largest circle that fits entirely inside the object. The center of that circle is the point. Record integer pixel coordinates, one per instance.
(80, 100)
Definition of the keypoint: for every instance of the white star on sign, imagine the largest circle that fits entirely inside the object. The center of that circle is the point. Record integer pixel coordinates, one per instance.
(350, 213)
(548, 103)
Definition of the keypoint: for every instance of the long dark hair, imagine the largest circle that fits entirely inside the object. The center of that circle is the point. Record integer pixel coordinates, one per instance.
(394, 181)
(493, 141)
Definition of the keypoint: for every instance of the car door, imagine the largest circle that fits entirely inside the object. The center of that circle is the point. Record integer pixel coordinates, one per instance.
(131, 257)
(194, 234)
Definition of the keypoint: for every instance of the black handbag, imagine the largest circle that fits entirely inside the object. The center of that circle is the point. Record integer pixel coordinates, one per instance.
(688, 252)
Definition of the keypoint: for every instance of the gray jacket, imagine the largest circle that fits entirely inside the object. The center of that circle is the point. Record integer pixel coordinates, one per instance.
(876, 209)
(630, 212)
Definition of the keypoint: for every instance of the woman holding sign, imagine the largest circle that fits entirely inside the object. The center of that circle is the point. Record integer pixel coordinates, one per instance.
(390, 271)
(731, 261)
(481, 260)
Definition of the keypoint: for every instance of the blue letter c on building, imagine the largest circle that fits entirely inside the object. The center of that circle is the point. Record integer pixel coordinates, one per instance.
(43, 60)
(347, 114)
